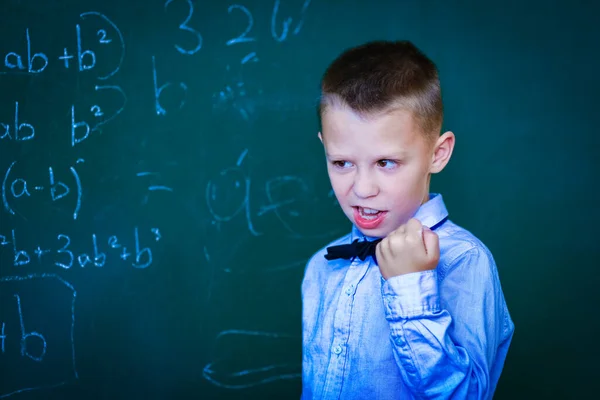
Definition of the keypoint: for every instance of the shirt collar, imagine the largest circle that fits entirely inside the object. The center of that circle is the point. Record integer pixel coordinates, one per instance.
(430, 213)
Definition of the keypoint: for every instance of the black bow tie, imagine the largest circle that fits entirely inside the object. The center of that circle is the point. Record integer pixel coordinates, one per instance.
(362, 249)
(358, 249)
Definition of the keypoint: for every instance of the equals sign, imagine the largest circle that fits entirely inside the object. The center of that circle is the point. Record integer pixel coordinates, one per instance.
(154, 188)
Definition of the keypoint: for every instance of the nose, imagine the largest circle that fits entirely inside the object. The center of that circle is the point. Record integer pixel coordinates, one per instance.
(365, 185)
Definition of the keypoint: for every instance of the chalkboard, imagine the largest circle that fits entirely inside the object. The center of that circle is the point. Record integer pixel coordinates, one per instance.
(163, 185)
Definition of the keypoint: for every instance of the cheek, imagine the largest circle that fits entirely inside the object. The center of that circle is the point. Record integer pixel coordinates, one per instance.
(340, 183)
(409, 179)
(403, 189)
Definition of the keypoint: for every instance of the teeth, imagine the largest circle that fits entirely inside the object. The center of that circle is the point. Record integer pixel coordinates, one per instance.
(368, 213)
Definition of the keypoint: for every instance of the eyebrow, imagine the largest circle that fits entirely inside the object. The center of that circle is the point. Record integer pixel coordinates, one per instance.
(389, 156)
(400, 154)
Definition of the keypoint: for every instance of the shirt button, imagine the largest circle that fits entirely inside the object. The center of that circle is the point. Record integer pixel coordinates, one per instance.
(337, 349)
(350, 290)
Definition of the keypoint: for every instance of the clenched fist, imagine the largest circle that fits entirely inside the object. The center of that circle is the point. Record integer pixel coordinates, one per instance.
(412, 247)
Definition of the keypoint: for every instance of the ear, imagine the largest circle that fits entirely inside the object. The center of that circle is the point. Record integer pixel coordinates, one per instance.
(442, 151)
(320, 137)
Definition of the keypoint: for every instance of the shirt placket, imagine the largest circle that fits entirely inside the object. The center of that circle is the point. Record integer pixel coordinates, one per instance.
(341, 329)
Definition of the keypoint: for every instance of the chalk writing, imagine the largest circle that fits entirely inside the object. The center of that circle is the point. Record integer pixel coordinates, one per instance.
(103, 39)
(239, 189)
(242, 38)
(230, 96)
(185, 27)
(158, 91)
(260, 374)
(102, 34)
(78, 125)
(83, 65)
(25, 335)
(270, 188)
(250, 57)
(228, 195)
(63, 255)
(13, 60)
(251, 101)
(14, 189)
(234, 195)
(20, 131)
(153, 187)
(286, 22)
(43, 357)
(84, 58)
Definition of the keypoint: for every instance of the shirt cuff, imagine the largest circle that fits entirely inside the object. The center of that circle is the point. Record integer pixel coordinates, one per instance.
(411, 295)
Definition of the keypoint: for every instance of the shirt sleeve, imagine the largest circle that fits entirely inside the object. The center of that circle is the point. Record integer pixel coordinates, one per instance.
(445, 334)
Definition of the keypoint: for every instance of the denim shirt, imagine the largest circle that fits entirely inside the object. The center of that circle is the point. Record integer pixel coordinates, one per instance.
(439, 334)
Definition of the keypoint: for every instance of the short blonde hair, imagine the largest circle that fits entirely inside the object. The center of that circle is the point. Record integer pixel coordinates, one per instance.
(383, 75)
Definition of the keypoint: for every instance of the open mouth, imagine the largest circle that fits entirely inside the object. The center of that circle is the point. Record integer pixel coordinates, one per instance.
(368, 213)
(368, 218)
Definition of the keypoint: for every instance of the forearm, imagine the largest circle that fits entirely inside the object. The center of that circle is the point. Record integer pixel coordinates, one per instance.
(432, 363)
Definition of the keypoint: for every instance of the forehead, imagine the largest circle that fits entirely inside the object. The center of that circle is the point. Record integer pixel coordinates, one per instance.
(391, 130)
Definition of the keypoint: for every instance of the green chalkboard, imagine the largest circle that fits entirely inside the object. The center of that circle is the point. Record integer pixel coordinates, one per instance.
(163, 185)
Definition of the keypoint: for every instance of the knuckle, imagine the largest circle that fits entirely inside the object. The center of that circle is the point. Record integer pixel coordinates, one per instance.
(410, 240)
(414, 222)
(400, 229)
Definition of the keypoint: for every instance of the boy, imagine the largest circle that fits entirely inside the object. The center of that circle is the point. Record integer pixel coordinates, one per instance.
(394, 310)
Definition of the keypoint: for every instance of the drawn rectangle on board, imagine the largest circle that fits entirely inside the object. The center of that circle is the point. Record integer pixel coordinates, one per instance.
(37, 321)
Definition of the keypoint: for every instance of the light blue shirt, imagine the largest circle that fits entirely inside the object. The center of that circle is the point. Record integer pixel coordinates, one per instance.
(439, 334)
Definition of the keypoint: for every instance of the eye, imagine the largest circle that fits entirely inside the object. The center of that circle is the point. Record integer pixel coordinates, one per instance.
(341, 164)
(387, 164)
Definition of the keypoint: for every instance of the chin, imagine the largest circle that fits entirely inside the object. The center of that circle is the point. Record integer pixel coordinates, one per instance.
(379, 232)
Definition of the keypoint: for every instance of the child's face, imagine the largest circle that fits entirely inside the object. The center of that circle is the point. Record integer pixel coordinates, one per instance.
(378, 166)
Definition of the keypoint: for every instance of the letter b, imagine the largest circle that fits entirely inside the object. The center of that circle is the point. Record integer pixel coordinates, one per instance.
(74, 126)
(25, 336)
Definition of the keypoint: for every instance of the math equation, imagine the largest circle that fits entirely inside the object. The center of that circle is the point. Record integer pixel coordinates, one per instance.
(84, 100)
